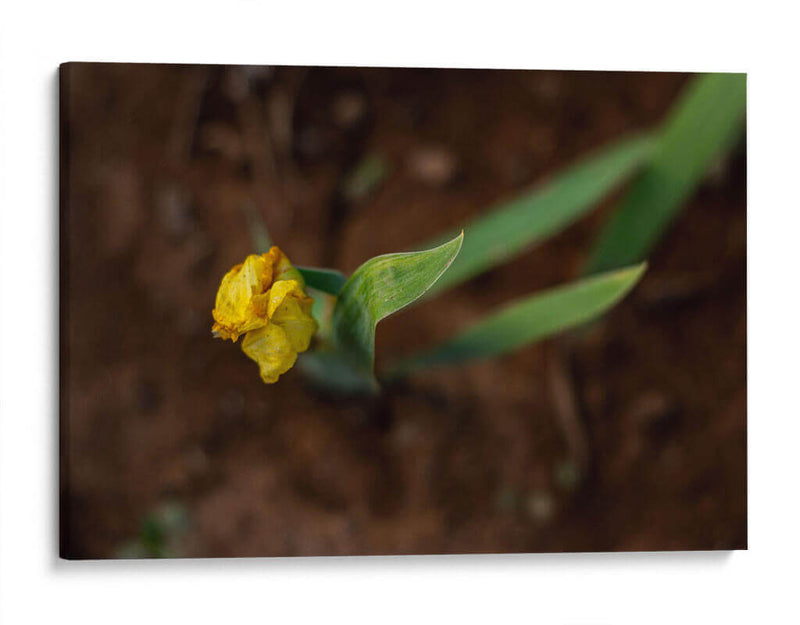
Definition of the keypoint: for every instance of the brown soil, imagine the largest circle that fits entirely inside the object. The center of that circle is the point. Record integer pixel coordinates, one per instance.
(629, 435)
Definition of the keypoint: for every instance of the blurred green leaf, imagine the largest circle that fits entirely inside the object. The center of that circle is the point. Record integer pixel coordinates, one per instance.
(531, 319)
(332, 373)
(326, 280)
(365, 178)
(381, 286)
(517, 225)
(160, 533)
(701, 127)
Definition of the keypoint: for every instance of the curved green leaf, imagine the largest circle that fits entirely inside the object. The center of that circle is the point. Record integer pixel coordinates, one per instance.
(531, 319)
(517, 225)
(381, 286)
(702, 126)
(328, 281)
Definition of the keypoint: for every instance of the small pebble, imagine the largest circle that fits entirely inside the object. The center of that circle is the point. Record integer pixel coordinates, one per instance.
(433, 165)
(348, 108)
(540, 506)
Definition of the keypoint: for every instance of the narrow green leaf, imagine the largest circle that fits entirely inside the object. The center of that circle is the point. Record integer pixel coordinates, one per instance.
(326, 280)
(365, 178)
(381, 286)
(517, 225)
(531, 319)
(701, 127)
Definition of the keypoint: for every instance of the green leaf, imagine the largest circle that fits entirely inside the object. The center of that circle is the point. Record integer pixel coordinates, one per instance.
(328, 281)
(381, 286)
(701, 127)
(519, 224)
(331, 373)
(365, 178)
(531, 319)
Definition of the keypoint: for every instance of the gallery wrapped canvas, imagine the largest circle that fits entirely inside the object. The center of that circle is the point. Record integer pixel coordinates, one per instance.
(317, 311)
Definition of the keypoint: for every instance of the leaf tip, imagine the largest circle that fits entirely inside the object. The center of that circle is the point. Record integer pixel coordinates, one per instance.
(631, 276)
(459, 239)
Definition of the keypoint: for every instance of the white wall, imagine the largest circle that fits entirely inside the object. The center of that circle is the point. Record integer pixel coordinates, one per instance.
(743, 587)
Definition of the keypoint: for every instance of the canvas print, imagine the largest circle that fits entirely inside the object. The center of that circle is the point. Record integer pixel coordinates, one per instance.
(311, 311)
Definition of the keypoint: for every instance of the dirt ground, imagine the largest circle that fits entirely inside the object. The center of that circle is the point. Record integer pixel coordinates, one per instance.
(627, 435)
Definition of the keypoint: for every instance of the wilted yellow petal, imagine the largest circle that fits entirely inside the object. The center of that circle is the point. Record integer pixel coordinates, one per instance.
(264, 298)
(282, 269)
(290, 308)
(234, 311)
(271, 349)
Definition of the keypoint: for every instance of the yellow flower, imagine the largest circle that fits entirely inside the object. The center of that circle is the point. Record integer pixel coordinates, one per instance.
(264, 299)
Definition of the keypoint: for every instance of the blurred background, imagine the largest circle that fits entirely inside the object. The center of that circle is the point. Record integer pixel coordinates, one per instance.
(630, 435)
